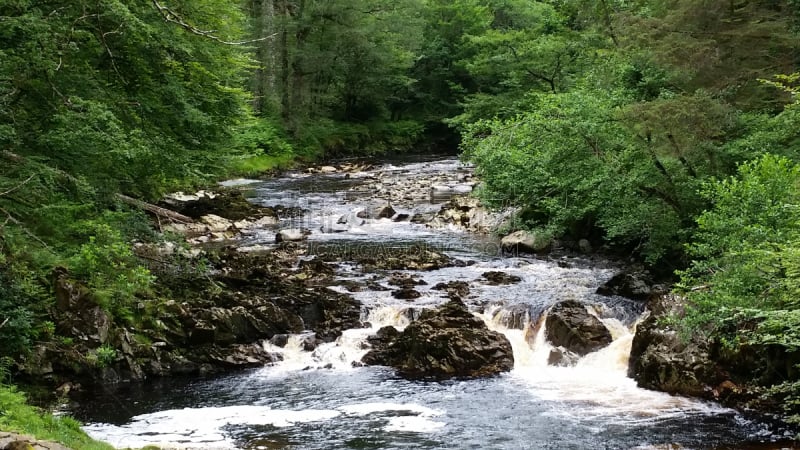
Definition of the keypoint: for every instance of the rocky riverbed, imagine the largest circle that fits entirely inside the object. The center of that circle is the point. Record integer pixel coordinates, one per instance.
(339, 270)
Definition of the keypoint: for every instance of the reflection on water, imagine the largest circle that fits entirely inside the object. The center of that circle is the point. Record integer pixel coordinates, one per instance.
(319, 400)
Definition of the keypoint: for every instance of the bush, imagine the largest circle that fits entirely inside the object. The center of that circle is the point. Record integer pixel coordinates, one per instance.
(747, 248)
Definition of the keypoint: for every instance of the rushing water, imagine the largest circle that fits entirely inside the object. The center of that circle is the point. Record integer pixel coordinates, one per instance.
(319, 400)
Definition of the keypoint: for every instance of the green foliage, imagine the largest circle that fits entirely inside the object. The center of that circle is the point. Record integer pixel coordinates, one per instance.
(746, 248)
(17, 416)
(103, 356)
(108, 266)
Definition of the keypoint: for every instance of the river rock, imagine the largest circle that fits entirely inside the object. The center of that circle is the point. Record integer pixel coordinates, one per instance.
(636, 285)
(377, 210)
(495, 278)
(327, 169)
(513, 317)
(291, 235)
(570, 325)
(458, 288)
(405, 280)
(406, 294)
(230, 204)
(216, 224)
(262, 222)
(526, 242)
(445, 342)
(561, 357)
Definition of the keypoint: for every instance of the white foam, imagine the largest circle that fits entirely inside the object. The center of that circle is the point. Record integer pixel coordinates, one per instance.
(413, 424)
(199, 427)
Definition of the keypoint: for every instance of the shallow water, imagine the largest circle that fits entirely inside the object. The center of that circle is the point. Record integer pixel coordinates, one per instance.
(318, 400)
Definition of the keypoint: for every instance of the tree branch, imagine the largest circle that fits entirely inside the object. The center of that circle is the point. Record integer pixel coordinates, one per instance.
(171, 16)
(17, 186)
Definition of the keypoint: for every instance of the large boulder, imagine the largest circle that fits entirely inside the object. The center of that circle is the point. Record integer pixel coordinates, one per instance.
(445, 342)
(525, 242)
(637, 285)
(569, 325)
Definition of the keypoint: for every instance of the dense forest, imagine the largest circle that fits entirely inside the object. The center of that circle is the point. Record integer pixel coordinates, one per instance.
(667, 130)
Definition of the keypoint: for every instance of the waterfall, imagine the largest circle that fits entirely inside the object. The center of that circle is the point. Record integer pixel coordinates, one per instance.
(344, 353)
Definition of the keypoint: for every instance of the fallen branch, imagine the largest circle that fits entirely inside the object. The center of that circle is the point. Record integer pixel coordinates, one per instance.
(5, 322)
(157, 210)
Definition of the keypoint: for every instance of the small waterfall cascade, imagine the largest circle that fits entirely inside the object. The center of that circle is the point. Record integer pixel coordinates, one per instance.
(343, 353)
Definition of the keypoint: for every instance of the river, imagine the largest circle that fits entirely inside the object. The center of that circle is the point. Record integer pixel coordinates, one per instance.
(320, 399)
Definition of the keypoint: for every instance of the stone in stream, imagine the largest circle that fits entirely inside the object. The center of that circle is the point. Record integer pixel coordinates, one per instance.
(406, 294)
(291, 235)
(637, 285)
(377, 210)
(458, 288)
(526, 242)
(561, 357)
(570, 325)
(446, 342)
(495, 278)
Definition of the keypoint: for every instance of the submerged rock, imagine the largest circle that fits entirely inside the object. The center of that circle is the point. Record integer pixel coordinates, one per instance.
(445, 342)
(570, 325)
(495, 278)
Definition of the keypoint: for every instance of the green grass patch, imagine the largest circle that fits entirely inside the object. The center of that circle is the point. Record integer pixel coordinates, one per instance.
(19, 417)
(259, 164)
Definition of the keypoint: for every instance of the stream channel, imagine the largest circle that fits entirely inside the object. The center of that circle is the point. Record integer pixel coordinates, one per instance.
(320, 399)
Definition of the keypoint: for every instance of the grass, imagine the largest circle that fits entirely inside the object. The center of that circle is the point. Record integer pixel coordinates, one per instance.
(258, 164)
(18, 417)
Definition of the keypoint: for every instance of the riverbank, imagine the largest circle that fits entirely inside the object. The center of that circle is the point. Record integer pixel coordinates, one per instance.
(390, 270)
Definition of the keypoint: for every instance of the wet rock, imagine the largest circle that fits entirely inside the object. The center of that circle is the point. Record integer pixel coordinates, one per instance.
(288, 212)
(445, 342)
(331, 228)
(423, 217)
(458, 288)
(230, 204)
(495, 278)
(411, 258)
(262, 222)
(405, 280)
(377, 210)
(584, 246)
(406, 294)
(637, 285)
(561, 357)
(525, 242)
(279, 340)
(327, 169)
(401, 217)
(216, 224)
(292, 235)
(240, 356)
(661, 360)
(351, 219)
(513, 317)
(570, 325)
(202, 334)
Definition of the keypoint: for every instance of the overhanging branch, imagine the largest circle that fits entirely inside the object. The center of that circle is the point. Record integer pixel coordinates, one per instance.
(171, 16)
